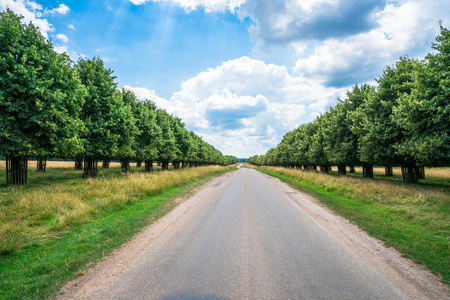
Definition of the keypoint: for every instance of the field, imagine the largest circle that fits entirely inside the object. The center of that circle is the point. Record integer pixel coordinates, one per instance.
(57, 226)
(414, 219)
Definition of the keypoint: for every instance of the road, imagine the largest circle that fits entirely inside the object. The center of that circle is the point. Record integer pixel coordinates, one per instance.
(248, 241)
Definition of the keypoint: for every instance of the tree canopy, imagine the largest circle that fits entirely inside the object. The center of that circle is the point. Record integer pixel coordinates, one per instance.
(51, 107)
(40, 94)
(404, 120)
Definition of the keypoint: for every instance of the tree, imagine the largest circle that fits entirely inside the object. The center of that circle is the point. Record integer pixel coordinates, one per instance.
(301, 147)
(229, 159)
(378, 134)
(194, 154)
(341, 144)
(182, 141)
(99, 112)
(168, 149)
(148, 139)
(425, 112)
(126, 129)
(286, 150)
(40, 99)
(316, 154)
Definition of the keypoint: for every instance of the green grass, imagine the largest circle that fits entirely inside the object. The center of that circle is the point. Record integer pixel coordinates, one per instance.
(40, 266)
(413, 219)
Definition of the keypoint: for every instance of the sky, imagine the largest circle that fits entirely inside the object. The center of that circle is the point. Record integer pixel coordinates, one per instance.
(240, 73)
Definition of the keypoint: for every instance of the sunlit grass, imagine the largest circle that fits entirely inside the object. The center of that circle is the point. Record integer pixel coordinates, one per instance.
(60, 225)
(415, 219)
(60, 199)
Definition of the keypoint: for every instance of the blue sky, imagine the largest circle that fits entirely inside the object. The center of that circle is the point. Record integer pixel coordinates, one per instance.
(240, 73)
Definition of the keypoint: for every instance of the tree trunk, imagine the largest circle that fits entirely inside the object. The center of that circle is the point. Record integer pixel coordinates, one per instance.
(324, 169)
(90, 167)
(184, 164)
(148, 166)
(388, 171)
(165, 165)
(125, 164)
(41, 164)
(139, 164)
(367, 171)
(176, 164)
(105, 164)
(352, 169)
(16, 170)
(79, 164)
(342, 170)
(410, 172)
(420, 172)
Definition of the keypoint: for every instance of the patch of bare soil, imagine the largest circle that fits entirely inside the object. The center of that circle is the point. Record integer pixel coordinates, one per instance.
(413, 280)
(105, 272)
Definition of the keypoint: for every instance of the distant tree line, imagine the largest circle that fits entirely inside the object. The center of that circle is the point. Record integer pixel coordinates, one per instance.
(52, 107)
(404, 121)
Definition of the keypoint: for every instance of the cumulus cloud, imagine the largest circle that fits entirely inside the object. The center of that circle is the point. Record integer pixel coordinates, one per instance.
(62, 37)
(401, 30)
(144, 93)
(62, 9)
(34, 6)
(60, 49)
(245, 102)
(284, 21)
(30, 11)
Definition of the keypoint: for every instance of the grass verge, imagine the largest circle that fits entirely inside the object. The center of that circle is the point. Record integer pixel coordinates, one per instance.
(50, 255)
(413, 219)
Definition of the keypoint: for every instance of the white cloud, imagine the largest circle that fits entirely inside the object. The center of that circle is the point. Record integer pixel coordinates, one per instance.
(30, 12)
(209, 5)
(60, 49)
(34, 6)
(71, 27)
(285, 21)
(62, 37)
(62, 9)
(245, 106)
(144, 93)
(407, 29)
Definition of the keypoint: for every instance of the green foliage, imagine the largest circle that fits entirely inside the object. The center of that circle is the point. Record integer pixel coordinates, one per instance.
(125, 126)
(316, 153)
(340, 143)
(377, 132)
(229, 159)
(168, 149)
(425, 112)
(148, 140)
(40, 94)
(182, 139)
(100, 110)
(405, 120)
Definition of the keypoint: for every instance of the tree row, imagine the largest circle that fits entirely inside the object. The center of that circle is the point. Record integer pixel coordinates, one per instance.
(403, 121)
(52, 107)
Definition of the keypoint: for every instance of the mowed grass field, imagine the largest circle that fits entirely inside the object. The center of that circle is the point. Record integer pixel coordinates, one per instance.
(414, 219)
(60, 224)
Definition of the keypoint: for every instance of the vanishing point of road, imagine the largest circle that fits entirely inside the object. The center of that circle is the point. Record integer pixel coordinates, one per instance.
(248, 240)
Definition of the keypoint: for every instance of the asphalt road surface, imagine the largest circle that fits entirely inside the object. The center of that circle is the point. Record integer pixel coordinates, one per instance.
(249, 241)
